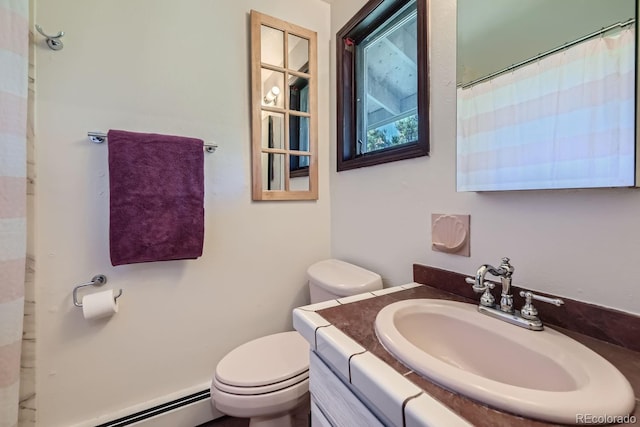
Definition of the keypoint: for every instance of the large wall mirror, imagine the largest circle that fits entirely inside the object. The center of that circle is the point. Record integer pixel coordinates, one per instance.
(284, 110)
(546, 94)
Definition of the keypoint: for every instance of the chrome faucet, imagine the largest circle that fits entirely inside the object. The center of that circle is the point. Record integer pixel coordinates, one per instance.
(527, 317)
(504, 272)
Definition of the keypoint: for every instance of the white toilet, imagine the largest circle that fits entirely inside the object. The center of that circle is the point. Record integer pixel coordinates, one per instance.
(268, 378)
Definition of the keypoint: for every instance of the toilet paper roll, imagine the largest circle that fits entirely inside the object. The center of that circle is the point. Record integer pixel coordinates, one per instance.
(99, 305)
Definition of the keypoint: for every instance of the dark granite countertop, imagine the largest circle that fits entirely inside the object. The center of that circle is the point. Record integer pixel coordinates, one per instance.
(357, 321)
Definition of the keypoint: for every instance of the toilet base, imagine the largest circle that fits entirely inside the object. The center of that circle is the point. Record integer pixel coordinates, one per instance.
(285, 420)
(267, 410)
(298, 416)
(290, 418)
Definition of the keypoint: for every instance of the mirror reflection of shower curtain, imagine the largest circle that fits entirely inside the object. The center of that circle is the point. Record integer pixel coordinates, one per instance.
(564, 121)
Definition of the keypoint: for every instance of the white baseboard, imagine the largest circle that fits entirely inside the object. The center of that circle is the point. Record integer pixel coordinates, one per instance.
(163, 412)
(187, 416)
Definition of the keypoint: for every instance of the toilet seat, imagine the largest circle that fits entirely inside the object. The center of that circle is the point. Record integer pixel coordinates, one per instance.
(264, 365)
(269, 388)
(275, 404)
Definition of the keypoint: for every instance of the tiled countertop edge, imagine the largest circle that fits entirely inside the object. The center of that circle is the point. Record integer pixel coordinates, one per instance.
(399, 399)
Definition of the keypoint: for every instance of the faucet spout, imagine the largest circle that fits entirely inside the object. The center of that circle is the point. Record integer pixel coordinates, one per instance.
(482, 272)
(478, 286)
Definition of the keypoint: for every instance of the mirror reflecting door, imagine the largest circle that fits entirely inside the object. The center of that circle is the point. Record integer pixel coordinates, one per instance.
(284, 117)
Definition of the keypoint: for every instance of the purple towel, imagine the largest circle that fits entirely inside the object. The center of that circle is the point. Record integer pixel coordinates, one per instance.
(156, 187)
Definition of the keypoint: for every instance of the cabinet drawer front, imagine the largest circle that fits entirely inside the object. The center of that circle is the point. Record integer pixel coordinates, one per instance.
(337, 404)
(317, 417)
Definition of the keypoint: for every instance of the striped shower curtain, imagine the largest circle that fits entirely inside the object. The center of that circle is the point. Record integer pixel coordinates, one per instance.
(14, 36)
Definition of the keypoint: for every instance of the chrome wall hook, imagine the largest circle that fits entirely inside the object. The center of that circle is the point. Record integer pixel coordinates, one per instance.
(97, 280)
(53, 42)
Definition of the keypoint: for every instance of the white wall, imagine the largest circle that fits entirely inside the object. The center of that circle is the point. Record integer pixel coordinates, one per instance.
(166, 67)
(581, 244)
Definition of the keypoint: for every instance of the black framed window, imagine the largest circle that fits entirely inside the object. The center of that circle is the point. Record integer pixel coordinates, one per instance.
(382, 77)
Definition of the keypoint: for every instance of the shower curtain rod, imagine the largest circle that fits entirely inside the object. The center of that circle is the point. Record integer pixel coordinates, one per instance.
(549, 52)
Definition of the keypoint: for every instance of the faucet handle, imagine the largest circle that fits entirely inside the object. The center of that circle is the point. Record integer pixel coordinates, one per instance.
(528, 295)
(486, 285)
(528, 311)
(487, 298)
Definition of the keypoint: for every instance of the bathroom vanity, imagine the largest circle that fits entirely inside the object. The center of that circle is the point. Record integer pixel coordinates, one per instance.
(350, 385)
(355, 381)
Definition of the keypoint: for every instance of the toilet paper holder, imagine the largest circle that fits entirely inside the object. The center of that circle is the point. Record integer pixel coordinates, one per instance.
(97, 280)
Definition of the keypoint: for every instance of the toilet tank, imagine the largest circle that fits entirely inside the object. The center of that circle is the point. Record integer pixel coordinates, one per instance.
(332, 279)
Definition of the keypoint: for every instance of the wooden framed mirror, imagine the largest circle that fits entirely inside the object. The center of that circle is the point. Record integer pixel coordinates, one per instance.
(284, 118)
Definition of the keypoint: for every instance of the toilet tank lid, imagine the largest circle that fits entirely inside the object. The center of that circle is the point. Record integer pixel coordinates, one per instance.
(343, 278)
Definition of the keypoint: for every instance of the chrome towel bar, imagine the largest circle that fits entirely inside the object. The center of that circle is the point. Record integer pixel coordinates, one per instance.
(100, 137)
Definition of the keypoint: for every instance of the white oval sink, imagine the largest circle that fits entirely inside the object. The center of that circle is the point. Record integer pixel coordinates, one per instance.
(539, 374)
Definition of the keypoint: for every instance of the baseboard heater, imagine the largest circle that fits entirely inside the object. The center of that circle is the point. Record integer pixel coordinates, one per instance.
(158, 410)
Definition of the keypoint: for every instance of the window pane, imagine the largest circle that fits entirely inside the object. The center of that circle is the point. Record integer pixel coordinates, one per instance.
(298, 133)
(403, 131)
(272, 46)
(298, 53)
(388, 83)
(298, 94)
(298, 162)
(272, 130)
(273, 171)
(272, 88)
(300, 183)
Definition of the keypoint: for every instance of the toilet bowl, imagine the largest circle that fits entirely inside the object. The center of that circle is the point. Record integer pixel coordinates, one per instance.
(264, 379)
(267, 379)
